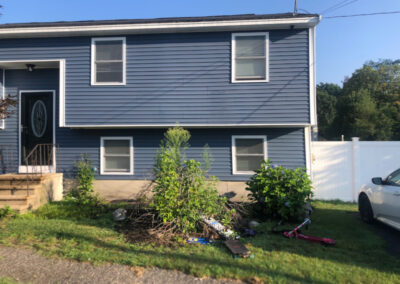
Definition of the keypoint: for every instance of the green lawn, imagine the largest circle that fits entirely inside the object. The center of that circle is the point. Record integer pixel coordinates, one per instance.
(358, 257)
(7, 281)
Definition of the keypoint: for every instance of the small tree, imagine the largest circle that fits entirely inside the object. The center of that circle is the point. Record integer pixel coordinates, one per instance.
(7, 106)
(183, 192)
(84, 176)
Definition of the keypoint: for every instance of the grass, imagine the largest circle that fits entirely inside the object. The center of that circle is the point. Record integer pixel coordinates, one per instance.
(359, 256)
(7, 281)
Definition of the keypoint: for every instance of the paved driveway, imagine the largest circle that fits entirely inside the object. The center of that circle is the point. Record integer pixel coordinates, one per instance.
(26, 266)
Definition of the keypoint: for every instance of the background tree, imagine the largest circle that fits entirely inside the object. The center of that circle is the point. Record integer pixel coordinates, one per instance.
(327, 95)
(368, 105)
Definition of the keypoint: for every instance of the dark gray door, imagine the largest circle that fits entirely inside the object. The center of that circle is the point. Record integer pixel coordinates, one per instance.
(36, 128)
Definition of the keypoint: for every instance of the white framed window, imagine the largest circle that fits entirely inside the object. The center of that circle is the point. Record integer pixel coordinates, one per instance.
(250, 52)
(116, 156)
(108, 61)
(248, 152)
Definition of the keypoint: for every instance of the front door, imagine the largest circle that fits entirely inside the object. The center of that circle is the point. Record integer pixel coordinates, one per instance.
(36, 129)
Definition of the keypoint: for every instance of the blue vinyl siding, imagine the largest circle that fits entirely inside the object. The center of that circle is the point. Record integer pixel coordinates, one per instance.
(183, 78)
(285, 147)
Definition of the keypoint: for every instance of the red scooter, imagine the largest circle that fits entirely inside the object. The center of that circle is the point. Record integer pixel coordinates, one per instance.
(296, 234)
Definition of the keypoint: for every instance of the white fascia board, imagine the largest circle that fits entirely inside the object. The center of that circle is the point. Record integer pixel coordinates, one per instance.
(312, 76)
(200, 26)
(126, 126)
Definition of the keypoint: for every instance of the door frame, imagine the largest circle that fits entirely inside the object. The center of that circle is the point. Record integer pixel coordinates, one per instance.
(36, 169)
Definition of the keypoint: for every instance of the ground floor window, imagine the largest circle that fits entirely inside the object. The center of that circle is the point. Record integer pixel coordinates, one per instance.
(116, 156)
(248, 152)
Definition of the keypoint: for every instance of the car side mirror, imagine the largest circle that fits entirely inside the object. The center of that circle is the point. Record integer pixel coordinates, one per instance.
(377, 180)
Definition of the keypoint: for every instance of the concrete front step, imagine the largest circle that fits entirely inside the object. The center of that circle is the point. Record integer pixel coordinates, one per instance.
(20, 179)
(24, 192)
(14, 190)
(7, 200)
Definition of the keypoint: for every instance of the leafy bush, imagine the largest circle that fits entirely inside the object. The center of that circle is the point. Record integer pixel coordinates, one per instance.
(83, 195)
(183, 192)
(6, 211)
(84, 178)
(280, 192)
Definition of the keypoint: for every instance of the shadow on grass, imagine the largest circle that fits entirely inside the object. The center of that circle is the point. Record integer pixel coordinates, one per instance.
(250, 269)
(356, 246)
(355, 243)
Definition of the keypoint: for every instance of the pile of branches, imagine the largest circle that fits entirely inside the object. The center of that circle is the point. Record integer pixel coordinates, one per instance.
(143, 225)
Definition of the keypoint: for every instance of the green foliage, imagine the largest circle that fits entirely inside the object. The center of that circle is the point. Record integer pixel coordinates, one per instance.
(368, 106)
(6, 211)
(327, 95)
(83, 195)
(183, 192)
(84, 192)
(72, 209)
(280, 192)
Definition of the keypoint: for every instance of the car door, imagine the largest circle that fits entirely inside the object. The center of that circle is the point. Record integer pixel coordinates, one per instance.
(389, 192)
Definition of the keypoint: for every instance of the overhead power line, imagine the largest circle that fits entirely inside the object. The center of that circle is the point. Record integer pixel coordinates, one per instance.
(337, 6)
(363, 15)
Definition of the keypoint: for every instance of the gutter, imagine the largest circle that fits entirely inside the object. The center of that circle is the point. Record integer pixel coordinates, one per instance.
(149, 28)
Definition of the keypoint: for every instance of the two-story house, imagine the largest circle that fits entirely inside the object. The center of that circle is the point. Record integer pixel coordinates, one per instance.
(243, 84)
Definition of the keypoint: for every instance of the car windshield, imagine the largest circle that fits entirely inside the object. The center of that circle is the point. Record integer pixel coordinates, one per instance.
(394, 178)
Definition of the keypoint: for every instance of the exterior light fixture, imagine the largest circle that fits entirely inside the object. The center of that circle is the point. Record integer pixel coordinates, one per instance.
(30, 67)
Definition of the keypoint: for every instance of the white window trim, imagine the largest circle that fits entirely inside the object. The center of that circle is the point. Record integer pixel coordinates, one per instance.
(102, 162)
(233, 52)
(93, 59)
(234, 165)
(3, 96)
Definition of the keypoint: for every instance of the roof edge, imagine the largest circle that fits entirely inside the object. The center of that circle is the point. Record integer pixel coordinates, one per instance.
(167, 25)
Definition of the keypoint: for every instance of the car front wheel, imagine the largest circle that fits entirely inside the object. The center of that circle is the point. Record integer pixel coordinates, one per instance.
(364, 206)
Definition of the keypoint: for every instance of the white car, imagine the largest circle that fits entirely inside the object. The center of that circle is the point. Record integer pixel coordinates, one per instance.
(381, 200)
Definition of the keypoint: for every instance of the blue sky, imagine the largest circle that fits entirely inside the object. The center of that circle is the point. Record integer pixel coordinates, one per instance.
(343, 44)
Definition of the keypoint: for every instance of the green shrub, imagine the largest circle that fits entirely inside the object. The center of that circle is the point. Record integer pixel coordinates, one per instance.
(6, 211)
(83, 195)
(280, 192)
(183, 192)
(84, 178)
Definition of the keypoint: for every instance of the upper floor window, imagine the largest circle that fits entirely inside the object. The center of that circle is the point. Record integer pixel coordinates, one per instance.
(250, 57)
(108, 61)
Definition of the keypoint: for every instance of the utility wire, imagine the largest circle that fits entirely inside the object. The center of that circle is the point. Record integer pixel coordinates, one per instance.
(341, 6)
(337, 6)
(362, 15)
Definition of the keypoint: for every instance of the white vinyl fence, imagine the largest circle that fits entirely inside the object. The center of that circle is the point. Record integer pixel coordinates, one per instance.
(339, 169)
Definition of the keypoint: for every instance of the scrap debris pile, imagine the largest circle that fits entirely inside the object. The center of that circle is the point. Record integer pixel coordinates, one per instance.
(141, 224)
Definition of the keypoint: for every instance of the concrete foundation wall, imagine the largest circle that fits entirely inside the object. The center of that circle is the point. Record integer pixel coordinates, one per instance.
(119, 190)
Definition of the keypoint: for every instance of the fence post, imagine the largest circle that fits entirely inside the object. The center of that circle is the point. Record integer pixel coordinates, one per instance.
(355, 165)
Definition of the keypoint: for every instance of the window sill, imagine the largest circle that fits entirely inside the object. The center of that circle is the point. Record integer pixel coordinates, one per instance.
(249, 81)
(108, 84)
(244, 173)
(116, 174)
